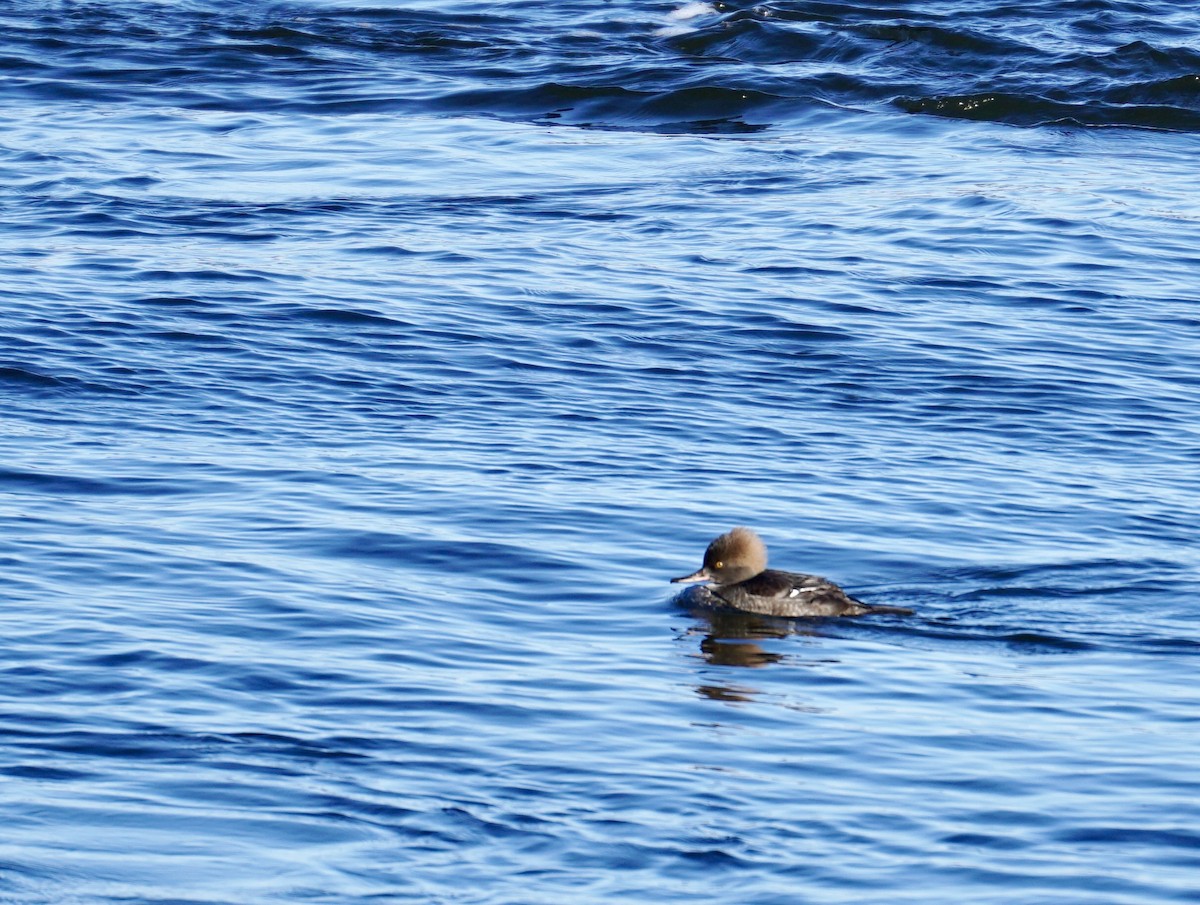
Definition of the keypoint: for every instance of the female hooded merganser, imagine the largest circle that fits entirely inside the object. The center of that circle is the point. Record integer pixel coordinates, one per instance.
(736, 564)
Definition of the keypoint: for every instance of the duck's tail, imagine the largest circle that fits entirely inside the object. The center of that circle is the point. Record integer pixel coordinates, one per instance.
(873, 610)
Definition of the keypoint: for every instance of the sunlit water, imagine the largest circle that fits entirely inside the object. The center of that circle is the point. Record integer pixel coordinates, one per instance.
(367, 371)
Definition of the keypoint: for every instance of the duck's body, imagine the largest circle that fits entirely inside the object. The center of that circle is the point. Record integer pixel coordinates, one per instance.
(736, 565)
(775, 593)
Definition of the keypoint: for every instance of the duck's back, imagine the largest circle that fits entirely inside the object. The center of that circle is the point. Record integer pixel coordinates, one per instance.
(792, 594)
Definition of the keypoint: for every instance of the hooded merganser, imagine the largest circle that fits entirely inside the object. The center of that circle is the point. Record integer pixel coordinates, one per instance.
(736, 564)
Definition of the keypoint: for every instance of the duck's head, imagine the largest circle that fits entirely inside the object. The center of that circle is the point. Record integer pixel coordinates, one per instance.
(732, 557)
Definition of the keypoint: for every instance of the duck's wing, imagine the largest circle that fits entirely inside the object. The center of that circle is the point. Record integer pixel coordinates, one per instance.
(794, 594)
(821, 596)
(773, 583)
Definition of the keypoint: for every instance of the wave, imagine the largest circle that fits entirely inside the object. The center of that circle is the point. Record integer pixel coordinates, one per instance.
(704, 68)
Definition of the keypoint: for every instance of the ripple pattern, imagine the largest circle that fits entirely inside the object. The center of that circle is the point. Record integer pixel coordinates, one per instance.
(366, 372)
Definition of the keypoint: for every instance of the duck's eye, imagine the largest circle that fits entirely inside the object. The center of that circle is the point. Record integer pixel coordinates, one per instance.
(719, 565)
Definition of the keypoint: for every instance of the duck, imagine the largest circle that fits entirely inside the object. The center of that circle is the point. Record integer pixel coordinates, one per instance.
(735, 565)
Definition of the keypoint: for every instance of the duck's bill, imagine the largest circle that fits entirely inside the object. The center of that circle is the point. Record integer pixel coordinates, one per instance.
(702, 575)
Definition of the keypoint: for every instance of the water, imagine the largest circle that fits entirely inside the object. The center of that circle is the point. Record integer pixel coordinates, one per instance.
(367, 371)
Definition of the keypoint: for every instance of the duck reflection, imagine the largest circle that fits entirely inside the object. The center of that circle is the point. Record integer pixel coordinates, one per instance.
(730, 638)
(727, 693)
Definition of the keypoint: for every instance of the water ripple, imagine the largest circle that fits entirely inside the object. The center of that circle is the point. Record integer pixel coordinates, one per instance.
(367, 372)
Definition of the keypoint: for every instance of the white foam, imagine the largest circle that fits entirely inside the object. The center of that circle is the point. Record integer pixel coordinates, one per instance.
(691, 11)
(681, 15)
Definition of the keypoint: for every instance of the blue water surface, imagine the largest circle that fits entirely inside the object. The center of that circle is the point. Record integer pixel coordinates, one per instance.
(367, 370)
